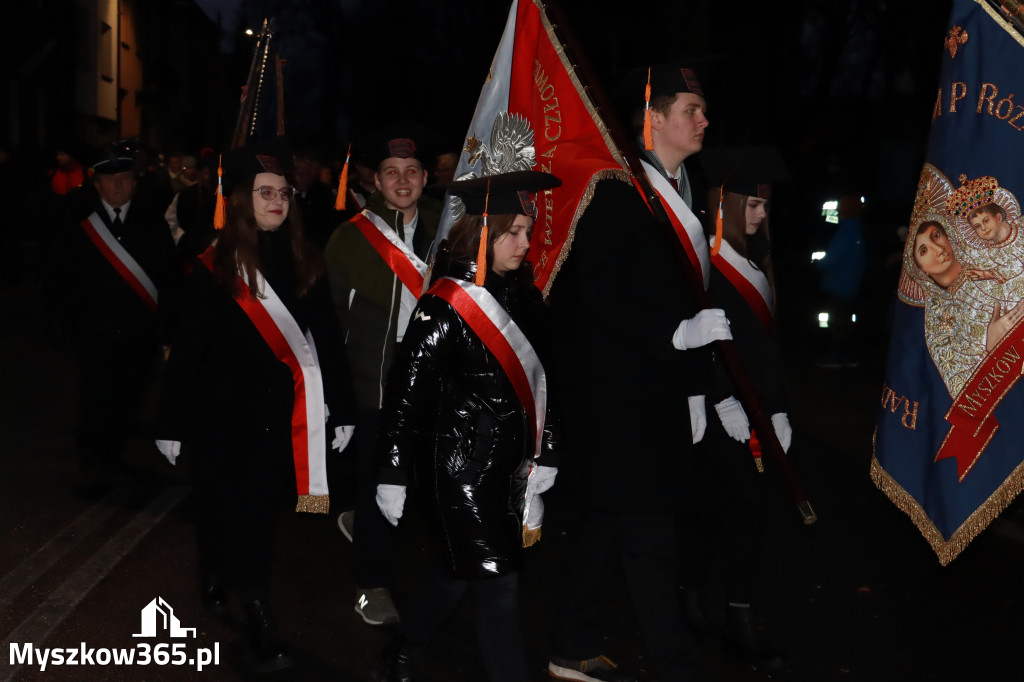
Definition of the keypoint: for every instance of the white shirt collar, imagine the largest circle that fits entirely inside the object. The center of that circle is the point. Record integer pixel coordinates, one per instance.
(110, 210)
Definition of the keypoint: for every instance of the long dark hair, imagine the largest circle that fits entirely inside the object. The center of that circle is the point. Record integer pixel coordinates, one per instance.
(734, 229)
(463, 243)
(237, 249)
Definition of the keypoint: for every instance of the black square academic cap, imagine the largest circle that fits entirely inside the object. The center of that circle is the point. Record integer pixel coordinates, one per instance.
(402, 140)
(507, 193)
(271, 155)
(745, 170)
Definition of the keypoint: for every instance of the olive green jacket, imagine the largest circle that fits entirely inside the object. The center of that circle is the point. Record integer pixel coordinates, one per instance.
(367, 294)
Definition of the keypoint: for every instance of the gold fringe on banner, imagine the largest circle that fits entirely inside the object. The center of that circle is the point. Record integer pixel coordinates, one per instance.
(947, 550)
(588, 196)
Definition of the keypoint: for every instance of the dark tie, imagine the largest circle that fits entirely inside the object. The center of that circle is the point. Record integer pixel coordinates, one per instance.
(118, 223)
(675, 184)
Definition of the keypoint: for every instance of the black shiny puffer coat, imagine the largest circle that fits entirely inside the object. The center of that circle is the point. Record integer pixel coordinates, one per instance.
(452, 426)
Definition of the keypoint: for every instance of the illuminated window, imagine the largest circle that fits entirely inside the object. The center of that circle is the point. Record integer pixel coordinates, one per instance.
(830, 210)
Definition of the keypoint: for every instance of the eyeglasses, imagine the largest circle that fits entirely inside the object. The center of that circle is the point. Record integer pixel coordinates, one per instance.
(268, 193)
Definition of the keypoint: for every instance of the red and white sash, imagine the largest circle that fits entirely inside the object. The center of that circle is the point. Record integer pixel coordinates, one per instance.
(493, 325)
(297, 350)
(395, 252)
(687, 226)
(749, 281)
(121, 260)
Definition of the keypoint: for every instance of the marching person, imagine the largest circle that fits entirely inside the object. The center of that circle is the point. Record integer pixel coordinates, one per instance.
(375, 262)
(729, 536)
(632, 364)
(116, 277)
(465, 421)
(257, 387)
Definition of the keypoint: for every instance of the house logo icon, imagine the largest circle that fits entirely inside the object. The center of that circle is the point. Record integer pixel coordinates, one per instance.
(158, 615)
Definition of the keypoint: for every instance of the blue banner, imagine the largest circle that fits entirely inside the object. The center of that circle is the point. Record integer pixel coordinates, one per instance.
(949, 440)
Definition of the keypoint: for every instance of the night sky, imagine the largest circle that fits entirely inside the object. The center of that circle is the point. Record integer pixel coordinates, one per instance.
(844, 88)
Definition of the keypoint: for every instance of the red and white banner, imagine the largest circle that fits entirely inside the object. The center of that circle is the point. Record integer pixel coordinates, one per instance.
(129, 269)
(393, 250)
(298, 351)
(493, 325)
(752, 284)
(533, 114)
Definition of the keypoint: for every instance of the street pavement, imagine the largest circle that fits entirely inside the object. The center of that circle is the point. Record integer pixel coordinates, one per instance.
(856, 597)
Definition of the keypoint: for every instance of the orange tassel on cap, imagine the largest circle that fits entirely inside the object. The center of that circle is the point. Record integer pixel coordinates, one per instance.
(218, 212)
(339, 202)
(481, 253)
(648, 136)
(719, 218)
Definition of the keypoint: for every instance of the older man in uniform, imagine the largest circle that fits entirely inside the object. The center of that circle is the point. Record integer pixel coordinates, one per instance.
(117, 272)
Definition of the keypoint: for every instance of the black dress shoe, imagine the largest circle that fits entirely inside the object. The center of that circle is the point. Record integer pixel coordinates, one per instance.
(268, 654)
(693, 612)
(744, 641)
(400, 660)
(215, 598)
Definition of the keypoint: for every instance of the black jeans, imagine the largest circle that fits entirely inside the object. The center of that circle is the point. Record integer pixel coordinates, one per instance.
(644, 545)
(497, 618)
(373, 538)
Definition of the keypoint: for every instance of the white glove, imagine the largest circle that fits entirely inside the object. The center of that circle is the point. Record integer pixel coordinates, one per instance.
(391, 501)
(533, 517)
(698, 417)
(342, 435)
(783, 431)
(734, 419)
(708, 325)
(172, 448)
(540, 481)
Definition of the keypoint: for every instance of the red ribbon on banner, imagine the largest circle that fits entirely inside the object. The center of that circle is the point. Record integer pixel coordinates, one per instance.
(970, 416)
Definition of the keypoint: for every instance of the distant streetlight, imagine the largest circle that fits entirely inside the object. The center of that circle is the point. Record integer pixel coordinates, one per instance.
(248, 31)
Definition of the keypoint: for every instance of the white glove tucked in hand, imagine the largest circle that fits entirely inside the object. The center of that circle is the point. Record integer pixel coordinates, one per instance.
(169, 449)
(698, 417)
(708, 325)
(540, 481)
(734, 419)
(342, 435)
(391, 501)
(783, 431)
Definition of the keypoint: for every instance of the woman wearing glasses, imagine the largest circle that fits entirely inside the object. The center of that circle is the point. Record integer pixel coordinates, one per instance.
(257, 387)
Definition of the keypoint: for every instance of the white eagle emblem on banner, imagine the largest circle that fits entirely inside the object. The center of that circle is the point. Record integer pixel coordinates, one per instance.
(511, 149)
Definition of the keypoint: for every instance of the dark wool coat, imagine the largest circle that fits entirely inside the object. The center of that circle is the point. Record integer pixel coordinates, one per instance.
(623, 387)
(452, 425)
(96, 300)
(228, 398)
(756, 346)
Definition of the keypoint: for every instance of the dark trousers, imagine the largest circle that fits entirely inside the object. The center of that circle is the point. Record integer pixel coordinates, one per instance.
(497, 618)
(239, 496)
(373, 538)
(724, 535)
(644, 545)
(113, 370)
